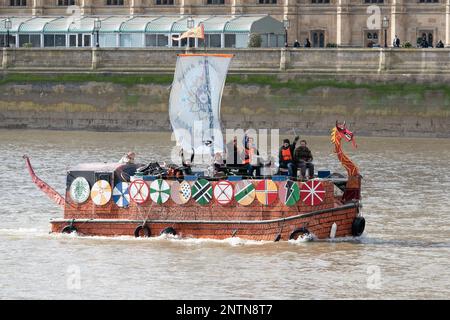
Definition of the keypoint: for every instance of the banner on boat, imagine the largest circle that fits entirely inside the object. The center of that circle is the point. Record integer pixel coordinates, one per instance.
(194, 104)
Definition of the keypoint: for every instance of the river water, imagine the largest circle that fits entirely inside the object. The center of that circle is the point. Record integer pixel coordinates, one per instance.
(404, 252)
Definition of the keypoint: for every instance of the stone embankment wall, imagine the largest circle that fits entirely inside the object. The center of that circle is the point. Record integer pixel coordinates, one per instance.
(385, 92)
(386, 63)
(128, 103)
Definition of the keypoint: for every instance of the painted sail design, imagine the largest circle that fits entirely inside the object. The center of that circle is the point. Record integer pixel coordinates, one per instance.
(194, 104)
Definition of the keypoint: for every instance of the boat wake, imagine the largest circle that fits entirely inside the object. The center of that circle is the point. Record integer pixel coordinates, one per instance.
(366, 240)
(232, 241)
(34, 232)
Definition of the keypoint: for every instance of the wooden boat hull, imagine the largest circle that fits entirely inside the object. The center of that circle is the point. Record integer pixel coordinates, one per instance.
(318, 223)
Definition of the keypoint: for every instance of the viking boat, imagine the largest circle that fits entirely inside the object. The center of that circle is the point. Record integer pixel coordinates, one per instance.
(116, 199)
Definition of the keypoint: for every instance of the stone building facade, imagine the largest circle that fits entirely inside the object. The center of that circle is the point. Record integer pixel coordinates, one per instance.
(346, 23)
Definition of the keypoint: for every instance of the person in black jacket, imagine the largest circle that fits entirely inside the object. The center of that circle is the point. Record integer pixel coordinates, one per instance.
(304, 158)
(286, 156)
(307, 43)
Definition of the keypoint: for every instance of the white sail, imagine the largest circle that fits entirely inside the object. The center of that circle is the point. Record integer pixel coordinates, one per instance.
(194, 104)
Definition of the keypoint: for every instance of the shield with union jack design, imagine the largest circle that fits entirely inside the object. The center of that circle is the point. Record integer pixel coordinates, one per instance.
(266, 192)
(312, 192)
(139, 191)
(223, 192)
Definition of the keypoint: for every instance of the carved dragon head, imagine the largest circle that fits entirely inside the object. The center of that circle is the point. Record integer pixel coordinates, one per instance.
(341, 131)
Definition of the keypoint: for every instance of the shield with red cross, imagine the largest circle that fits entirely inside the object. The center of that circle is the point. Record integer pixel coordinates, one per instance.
(223, 192)
(139, 191)
(266, 192)
(312, 192)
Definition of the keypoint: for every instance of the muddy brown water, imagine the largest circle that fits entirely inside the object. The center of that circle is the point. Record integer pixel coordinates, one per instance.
(404, 252)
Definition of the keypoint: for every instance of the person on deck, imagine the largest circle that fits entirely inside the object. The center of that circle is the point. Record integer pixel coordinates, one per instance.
(286, 156)
(232, 152)
(250, 157)
(128, 158)
(304, 158)
(218, 164)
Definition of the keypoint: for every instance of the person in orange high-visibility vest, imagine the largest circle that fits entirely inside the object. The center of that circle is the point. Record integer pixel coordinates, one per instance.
(250, 157)
(286, 156)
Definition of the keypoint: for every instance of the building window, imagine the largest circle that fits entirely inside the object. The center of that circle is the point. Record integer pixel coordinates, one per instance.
(373, 1)
(4, 41)
(164, 2)
(428, 1)
(66, 3)
(372, 39)
(18, 3)
(215, 2)
(230, 41)
(33, 40)
(114, 2)
(318, 38)
(156, 40)
(320, 1)
(54, 40)
(267, 1)
(213, 40)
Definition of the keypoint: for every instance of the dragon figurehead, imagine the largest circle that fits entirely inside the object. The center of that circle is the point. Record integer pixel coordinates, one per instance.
(338, 133)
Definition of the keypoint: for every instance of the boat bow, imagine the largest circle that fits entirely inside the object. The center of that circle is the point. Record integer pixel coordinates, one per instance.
(49, 191)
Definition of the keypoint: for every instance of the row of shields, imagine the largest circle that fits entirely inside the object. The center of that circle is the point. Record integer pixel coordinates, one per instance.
(201, 191)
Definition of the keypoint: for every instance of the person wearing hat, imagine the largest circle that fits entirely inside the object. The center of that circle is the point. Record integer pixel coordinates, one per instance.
(286, 156)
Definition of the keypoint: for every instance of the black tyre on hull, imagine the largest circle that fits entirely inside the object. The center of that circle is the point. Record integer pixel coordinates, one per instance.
(169, 230)
(69, 229)
(299, 232)
(142, 231)
(358, 226)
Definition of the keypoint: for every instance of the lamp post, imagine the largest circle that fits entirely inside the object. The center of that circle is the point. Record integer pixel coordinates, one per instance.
(190, 25)
(385, 26)
(286, 24)
(8, 26)
(97, 26)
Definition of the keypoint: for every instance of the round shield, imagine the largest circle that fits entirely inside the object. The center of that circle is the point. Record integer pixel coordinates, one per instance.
(312, 192)
(79, 190)
(289, 192)
(180, 192)
(101, 192)
(266, 192)
(120, 194)
(245, 192)
(139, 191)
(223, 192)
(159, 191)
(202, 191)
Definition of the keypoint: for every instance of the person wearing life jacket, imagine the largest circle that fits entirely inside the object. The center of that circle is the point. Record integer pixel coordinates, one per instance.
(286, 156)
(250, 158)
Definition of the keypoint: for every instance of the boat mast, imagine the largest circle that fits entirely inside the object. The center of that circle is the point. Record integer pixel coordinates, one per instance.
(210, 112)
